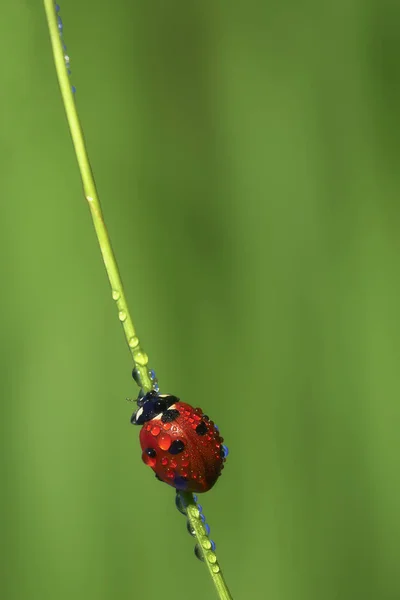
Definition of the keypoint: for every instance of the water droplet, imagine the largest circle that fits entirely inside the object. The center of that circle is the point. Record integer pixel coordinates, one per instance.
(60, 28)
(190, 528)
(141, 358)
(152, 374)
(180, 482)
(179, 503)
(224, 451)
(122, 316)
(202, 517)
(199, 552)
(211, 557)
(116, 295)
(164, 441)
(206, 543)
(133, 342)
(213, 546)
(199, 506)
(207, 528)
(195, 513)
(155, 430)
(195, 497)
(215, 568)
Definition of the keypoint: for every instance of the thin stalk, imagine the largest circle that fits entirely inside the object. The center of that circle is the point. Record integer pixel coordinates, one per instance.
(139, 357)
(204, 546)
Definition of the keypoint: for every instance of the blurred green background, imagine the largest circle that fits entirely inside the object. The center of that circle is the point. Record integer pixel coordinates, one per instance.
(246, 154)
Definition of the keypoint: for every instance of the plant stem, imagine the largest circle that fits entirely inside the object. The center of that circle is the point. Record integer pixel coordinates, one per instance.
(139, 357)
(204, 543)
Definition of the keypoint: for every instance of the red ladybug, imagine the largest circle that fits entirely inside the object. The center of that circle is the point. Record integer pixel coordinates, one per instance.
(179, 442)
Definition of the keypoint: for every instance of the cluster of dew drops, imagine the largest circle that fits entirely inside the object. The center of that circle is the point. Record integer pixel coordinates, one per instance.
(206, 548)
(64, 47)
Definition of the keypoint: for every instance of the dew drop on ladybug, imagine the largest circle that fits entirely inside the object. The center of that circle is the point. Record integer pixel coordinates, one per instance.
(180, 443)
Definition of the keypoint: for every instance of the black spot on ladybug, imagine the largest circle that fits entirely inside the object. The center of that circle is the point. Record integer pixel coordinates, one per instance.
(158, 477)
(180, 482)
(170, 415)
(201, 428)
(205, 417)
(222, 452)
(151, 452)
(176, 447)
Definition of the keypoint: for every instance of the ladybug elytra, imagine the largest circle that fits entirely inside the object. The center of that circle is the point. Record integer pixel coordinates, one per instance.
(179, 442)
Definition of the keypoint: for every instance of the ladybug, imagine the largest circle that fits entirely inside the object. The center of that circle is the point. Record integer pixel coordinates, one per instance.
(179, 442)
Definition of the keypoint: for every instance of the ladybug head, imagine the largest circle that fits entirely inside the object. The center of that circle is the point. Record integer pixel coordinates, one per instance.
(150, 405)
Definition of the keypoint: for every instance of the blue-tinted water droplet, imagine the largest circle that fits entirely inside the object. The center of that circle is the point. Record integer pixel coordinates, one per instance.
(152, 374)
(216, 427)
(156, 387)
(180, 482)
(190, 528)
(198, 552)
(199, 506)
(202, 517)
(207, 528)
(213, 545)
(224, 450)
(195, 497)
(60, 27)
(180, 505)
